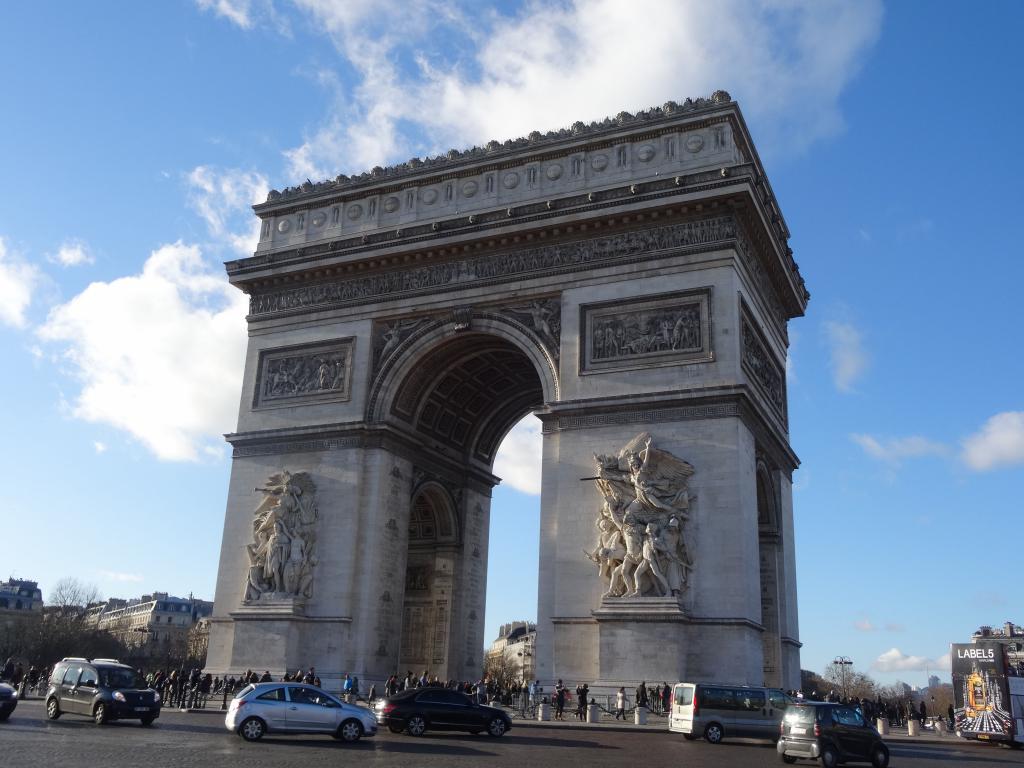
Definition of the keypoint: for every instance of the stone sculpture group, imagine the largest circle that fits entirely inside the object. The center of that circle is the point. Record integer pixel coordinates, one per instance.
(283, 553)
(641, 549)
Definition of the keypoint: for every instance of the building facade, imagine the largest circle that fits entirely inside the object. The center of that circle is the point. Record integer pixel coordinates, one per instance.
(151, 622)
(511, 654)
(627, 281)
(20, 595)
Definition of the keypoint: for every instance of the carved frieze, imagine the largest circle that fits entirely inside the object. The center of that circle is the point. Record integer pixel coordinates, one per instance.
(282, 555)
(304, 374)
(543, 259)
(641, 549)
(544, 318)
(667, 329)
(761, 365)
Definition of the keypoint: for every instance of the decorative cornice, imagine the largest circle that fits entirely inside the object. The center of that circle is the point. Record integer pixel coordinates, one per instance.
(620, 247)
(495, 150)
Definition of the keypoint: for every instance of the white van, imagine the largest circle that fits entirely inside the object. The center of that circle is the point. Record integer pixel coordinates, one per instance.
(714, 711)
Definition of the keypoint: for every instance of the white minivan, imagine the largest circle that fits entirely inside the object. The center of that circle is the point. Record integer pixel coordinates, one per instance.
(713, 710)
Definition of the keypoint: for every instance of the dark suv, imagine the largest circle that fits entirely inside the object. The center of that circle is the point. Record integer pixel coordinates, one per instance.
(103, 689)
(422, 709)
(833, 732)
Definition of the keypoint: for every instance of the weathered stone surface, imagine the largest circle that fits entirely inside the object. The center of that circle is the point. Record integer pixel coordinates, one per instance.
(629, 281)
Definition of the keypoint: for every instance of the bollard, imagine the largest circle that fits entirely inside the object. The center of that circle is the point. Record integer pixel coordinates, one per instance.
(913, 728)
(224, 703)
(640, 716)
(883, 726)
(940, 727)
(593, 713)
(544, 712)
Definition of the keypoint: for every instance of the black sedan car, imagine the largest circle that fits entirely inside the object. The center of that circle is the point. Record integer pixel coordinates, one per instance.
(8, 701)
(832, 732)
(422, 709)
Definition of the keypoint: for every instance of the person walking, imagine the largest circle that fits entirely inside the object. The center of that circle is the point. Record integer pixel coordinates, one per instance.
(560, 693)
(641, 694)
(620, 703)
(666, 698)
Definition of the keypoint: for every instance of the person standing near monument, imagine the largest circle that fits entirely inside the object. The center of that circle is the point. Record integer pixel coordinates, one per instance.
(560, 693)
(620, 703)
(641, 694)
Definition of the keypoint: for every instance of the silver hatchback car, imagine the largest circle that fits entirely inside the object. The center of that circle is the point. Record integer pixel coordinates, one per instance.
(295, 708)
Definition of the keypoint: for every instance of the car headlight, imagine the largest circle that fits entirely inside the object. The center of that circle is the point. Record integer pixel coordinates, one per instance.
(156, 697)
(118, 696)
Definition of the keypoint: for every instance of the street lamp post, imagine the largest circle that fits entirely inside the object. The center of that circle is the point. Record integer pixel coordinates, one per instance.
(843, 662)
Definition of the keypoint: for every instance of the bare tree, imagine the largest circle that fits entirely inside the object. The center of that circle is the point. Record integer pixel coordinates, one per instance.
(71, 597)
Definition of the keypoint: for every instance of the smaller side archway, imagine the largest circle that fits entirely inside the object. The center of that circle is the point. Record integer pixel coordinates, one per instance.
(769, 552)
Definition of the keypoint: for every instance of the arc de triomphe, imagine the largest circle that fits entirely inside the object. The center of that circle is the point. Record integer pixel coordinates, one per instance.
(630, 283)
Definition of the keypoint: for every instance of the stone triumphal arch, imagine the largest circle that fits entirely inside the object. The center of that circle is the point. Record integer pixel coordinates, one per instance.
(629, 282)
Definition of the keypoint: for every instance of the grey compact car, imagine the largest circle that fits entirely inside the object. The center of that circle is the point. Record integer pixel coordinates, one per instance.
(296, 708)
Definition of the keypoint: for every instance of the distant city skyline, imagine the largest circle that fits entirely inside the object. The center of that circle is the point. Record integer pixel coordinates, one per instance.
(142, 133)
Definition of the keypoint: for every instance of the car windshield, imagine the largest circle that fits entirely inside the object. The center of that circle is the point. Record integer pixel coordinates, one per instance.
(800, 715)
(121, 678)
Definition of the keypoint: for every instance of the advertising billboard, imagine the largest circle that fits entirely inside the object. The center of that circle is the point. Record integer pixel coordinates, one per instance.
(980, 690)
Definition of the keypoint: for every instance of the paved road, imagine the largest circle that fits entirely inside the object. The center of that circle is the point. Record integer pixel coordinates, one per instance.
(28, 740)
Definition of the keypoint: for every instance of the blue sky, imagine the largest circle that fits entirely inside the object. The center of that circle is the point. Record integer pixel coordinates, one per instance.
(135, 136)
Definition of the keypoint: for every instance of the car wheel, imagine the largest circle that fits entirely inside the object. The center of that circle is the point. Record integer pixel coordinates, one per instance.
(4, 716)
(52, 709)
(252, 729)
(349, 731)
(829, 758)
(496, 727)
(879, 756)
(788, 759)
(100, 715)
(416, 725)
(714, 733)
(148, 719)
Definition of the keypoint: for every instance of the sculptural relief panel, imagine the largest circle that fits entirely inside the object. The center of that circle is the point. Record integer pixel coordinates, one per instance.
(297, 375)
(761, 365)
(641, 548)
(667, 329)
(283, 552)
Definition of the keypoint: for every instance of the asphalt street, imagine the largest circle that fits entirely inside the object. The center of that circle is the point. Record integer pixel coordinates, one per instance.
(28, 740)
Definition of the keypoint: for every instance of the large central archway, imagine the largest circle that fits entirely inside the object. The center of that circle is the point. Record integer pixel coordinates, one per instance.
(458, 396)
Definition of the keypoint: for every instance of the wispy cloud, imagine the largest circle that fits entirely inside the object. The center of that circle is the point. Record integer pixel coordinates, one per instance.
(18, 281)
(99, 447)
(120, 577)
(72, 253)
(223, 198)
(848, 358)
(895, 660)
(518, 462)
(893, 450)
(864, 625)
(462, 74)
(999, 442)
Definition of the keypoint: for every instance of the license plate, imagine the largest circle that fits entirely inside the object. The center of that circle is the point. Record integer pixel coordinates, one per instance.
(142, 709)
(800, 731)
(982, 735)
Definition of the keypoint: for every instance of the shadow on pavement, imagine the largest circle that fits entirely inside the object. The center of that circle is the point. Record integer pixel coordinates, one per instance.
(943, 754)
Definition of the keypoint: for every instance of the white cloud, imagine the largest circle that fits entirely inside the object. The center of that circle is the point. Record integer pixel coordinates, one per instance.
(18, 280)
(864, 625)
(846, 348)
(99, 447)
(895, 660)
(72, 253)
(477, 75)
(518, 461)
(223, 198)
(158, 354)
(893, 450)
(239, 12)
(999, 442)
(120, 577)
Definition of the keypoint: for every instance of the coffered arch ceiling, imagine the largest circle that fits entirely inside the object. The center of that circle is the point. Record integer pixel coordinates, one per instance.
(467, 392)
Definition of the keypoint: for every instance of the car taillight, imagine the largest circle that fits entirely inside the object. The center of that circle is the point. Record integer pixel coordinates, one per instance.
(782, 727)
(817, 729)
(696, 704)
(388, 708)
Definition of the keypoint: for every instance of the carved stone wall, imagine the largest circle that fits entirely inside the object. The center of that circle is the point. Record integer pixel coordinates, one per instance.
(304, 374)
(661, 330)
(761, 365)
